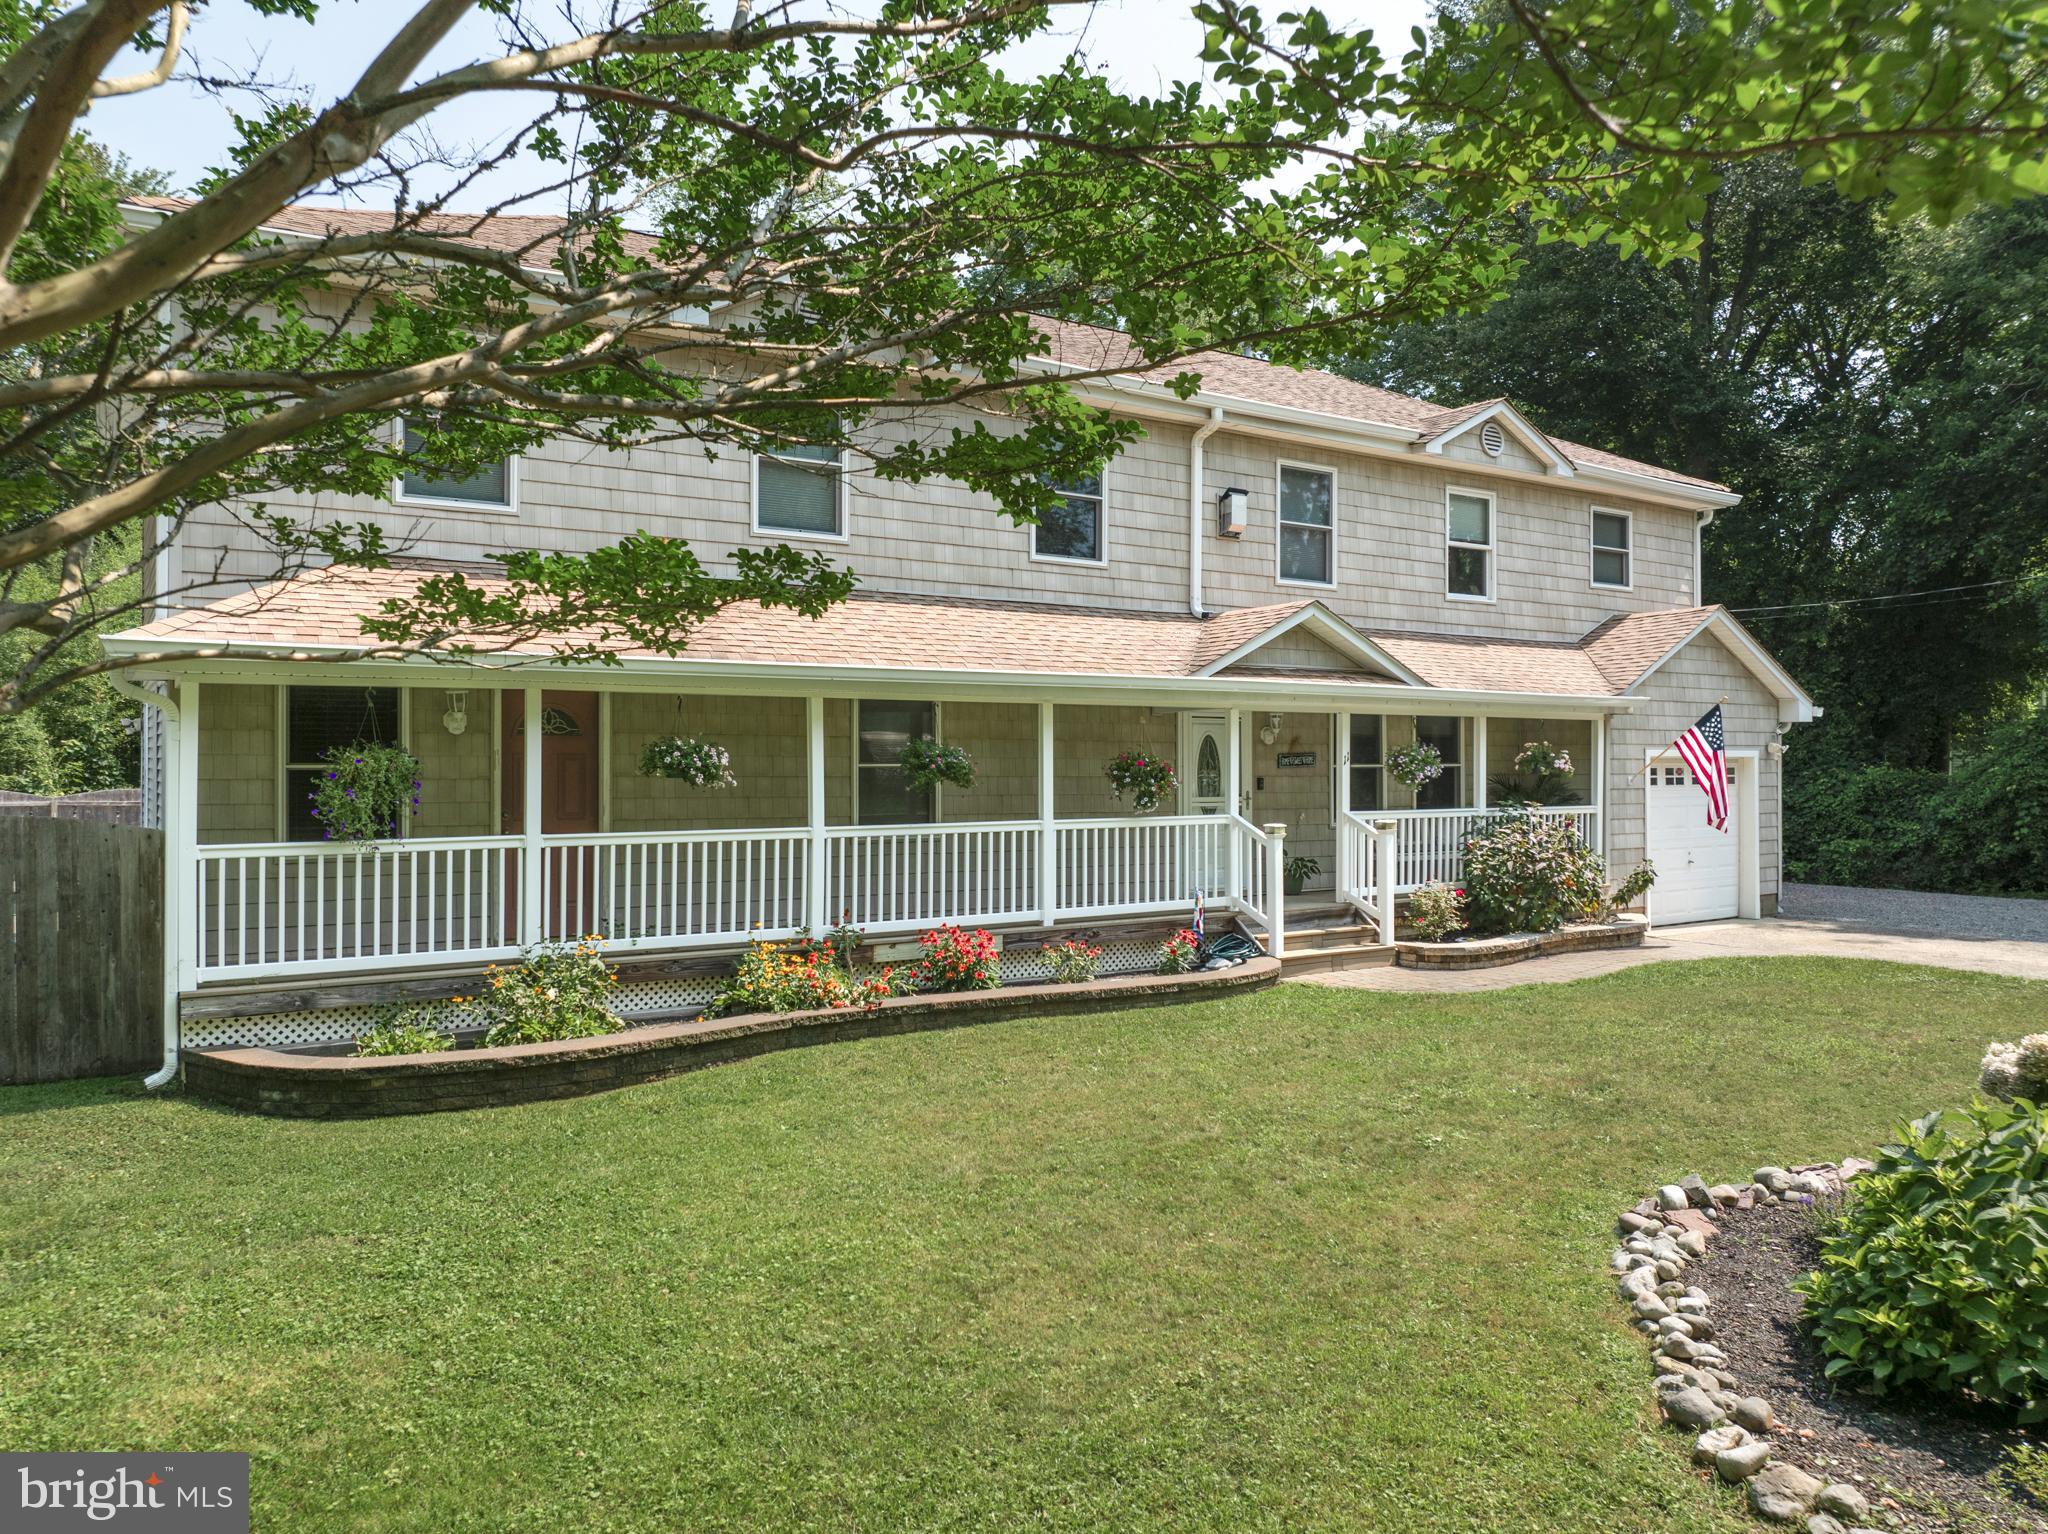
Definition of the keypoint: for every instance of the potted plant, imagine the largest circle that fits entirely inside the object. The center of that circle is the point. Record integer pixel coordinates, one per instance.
(1415, 764)
(926, 763)
(364, 792)
(1146, 780)
(1299, 871)
(685, 759)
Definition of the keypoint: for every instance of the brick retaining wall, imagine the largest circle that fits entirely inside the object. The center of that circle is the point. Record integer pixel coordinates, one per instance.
(293, 1085)
(1486, 953)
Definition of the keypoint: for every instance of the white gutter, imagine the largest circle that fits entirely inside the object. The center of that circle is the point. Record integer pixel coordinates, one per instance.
(1701, 521)
(1196, 484)
(166, 1072)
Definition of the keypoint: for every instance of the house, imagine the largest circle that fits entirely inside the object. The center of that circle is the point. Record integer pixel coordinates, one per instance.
(1289, 577)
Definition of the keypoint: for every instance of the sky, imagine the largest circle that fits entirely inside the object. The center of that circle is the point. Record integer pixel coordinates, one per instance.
(184, 129)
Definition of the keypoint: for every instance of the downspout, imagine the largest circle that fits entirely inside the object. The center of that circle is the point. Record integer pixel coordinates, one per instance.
(1701, 520)
(166, 700)
(1197, 507)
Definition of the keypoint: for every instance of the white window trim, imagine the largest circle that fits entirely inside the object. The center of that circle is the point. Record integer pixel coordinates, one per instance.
(285, 766)
(1101, 536)
(843, 506)
(1594, 550)
(1492, 547)
(1280, 468)
(400, 496)
(938, 789)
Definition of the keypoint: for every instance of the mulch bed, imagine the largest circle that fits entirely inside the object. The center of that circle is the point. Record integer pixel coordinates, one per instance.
(1934, 1462)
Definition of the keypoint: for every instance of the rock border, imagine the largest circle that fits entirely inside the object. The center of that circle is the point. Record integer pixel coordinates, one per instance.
(1661, 1236)
(307, 1084)
(1489, 952)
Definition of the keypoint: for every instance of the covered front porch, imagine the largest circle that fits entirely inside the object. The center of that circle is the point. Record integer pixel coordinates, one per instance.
(525, 836)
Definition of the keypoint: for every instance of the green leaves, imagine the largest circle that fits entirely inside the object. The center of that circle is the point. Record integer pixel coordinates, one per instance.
(1934, 1277)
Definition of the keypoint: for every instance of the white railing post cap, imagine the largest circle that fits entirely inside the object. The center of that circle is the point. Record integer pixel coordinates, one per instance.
(1384, 825)
(1275, 829)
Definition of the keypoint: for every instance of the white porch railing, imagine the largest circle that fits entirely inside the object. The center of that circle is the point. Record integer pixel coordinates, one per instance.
(673, 888)
(1129, 867)
(303, 908)
(1431, 843)
(894, 878)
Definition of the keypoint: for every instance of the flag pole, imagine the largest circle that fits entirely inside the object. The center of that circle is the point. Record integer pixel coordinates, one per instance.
(1653, 761)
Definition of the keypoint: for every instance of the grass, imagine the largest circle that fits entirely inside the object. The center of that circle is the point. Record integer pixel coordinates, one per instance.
(1310, 1260)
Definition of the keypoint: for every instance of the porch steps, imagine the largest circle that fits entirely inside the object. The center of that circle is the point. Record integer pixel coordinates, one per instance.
(1328, 938)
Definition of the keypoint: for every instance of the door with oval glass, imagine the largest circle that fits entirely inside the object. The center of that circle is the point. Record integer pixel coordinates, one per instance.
(1205, 788)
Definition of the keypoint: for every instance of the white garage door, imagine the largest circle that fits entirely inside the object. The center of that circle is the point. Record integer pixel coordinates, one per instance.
(1697, 866)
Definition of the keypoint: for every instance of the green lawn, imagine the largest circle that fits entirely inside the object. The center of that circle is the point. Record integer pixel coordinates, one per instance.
(1312, 1260)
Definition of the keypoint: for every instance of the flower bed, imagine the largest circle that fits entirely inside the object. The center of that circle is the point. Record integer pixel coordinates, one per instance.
(304, 1085)
(1488, 952)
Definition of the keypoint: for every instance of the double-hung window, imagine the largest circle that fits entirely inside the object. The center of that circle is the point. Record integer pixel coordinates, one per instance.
(1611, 552)
(883, 795)
(488, 489)
(800, 489)
(1308, 525)
(1446, 791)
(1469, 529)
(317, 720)
(1073, 530)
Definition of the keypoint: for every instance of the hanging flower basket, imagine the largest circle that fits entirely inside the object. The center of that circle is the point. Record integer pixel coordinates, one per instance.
(685, 759)
(1147, 781)
(926, 763)
(1415, 764)
(1540, 759)
(364, 792)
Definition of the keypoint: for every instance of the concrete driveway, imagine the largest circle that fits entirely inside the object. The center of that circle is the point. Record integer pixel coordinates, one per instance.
(1829, 937)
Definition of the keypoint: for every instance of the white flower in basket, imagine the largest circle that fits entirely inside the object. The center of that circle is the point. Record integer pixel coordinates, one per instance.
(686, 759)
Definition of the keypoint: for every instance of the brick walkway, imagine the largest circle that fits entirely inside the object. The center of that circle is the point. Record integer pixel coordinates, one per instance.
(1718, 940)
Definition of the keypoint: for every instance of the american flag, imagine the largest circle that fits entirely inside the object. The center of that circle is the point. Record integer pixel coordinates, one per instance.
(1705, 749)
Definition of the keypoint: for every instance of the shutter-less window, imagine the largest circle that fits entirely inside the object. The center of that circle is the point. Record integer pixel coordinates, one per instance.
(1307, 516)
(489, 486)
(798, 491)
(1610, 549)
(1073, 529)
(317, 719)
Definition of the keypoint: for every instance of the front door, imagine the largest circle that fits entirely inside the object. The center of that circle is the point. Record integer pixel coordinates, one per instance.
(1205, 790)
(569, 766)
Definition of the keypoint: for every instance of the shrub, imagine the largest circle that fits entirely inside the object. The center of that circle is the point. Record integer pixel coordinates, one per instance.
(1146, 780)
(556, 991)
(685, 759)
(1073, 960)
(1935, 1274)
(1178, 953)
(363, 792)
(801, 976)
(958, 961)
(2017, 1070)
(1529, 873)
(926, 762)
(1436, 909)
(416, 1030)
(1633, 888)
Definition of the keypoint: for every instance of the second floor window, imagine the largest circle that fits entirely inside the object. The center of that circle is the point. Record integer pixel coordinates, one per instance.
(1610, 548)
(317, 720)
(798, 489)
(489, 487)
(1470, 526)
(1308, 501)
(1073, 529)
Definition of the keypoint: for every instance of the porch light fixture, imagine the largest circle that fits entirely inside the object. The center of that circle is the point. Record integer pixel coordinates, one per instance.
(1233, 506)
(456, 719)
(1270, 735)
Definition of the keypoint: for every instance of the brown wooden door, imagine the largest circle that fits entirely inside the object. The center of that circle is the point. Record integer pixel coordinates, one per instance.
(569, 763)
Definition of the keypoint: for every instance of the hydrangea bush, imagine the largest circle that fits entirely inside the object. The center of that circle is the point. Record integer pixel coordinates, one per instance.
(927, 762)
(686, 759)
(2018, 1069)
(1530, 873)
(364, 792)
(556, 991)
(1934, 1277)
(1147, 781)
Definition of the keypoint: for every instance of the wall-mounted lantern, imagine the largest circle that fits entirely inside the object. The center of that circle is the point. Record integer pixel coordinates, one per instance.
(456, 719)
(1233, 508)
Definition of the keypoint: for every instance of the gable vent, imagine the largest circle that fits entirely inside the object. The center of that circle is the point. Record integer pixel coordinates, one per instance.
(1490, 438)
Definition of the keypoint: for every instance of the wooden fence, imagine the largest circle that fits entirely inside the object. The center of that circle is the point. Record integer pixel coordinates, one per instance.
(81, 948)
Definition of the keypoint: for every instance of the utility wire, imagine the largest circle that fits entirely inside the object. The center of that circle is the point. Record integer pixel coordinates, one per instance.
(1894, 596)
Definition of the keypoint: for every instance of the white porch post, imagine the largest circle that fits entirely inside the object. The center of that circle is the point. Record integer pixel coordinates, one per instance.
(1233, 789)
(1276, 888)
(819, 894)
(1479, 761)
(182, 904)
(1340, 806)
(532, 873)
(1386, 851)
(1598, 798)
(1048, 828)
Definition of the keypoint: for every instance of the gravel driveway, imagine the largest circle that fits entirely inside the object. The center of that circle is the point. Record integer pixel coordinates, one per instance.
(1918, 911)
